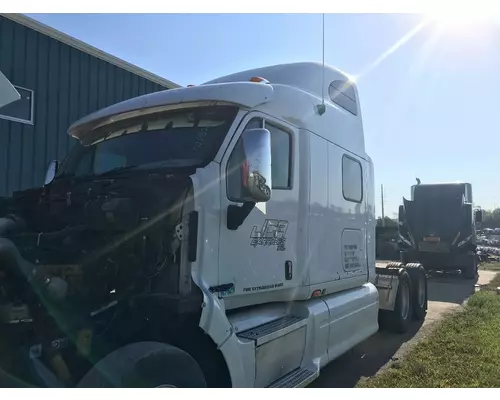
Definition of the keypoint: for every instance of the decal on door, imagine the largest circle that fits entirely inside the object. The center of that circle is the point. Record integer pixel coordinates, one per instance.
(351, 257)
(264, 287)
(271, 233)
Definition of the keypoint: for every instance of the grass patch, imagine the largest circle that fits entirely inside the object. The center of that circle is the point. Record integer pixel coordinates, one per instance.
(464, 351)
(494, 283)
(492, 266)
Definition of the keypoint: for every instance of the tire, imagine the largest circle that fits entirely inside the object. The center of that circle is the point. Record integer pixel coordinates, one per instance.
(471, 271)
(399, 319)
(145, 365)
(419, 290)
(394, 264)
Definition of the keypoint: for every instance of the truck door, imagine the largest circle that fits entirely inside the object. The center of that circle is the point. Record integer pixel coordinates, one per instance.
(260, 257)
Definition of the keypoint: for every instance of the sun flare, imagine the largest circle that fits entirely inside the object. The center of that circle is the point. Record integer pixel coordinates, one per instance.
(463, 19)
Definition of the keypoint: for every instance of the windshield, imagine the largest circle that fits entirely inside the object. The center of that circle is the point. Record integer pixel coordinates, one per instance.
(179, 138)
(438, 193)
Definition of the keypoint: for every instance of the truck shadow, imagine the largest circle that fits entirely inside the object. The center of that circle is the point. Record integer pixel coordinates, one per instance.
(364, 360)
(449, 287)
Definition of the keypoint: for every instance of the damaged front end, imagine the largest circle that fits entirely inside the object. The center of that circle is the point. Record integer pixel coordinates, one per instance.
(86, 260)
(67, 268)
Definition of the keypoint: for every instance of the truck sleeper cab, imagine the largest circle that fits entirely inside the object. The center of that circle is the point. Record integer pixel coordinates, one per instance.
(270, 202)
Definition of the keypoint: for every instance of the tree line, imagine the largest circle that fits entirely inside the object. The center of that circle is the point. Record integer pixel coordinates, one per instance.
(491, 220)
(389, 222)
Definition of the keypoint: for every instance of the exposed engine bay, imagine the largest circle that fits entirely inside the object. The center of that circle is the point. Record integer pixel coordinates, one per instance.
(75, 253)
(100, 256)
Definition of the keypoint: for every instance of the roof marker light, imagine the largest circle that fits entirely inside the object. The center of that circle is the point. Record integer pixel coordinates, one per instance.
(258, 79)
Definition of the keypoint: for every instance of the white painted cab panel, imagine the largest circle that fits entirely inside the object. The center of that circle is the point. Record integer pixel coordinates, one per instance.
(353, 318)
(256, 266)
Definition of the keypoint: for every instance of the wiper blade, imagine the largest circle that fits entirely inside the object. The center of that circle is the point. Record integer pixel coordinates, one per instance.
(182, 163)
(174, 163)
(118, 170)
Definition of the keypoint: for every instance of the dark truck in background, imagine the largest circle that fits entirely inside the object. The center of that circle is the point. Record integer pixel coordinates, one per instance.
(437, 228)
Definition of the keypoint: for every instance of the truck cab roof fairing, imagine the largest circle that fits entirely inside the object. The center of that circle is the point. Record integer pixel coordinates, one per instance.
(246, 94)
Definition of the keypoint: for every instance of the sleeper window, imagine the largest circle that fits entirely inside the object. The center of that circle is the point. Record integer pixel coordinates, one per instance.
(352, 179)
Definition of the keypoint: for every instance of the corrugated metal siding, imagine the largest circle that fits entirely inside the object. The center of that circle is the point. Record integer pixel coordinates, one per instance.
(68, 84)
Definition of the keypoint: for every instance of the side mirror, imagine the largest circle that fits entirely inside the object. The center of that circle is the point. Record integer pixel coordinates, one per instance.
(256, 171)
(255, 181)
(254, 164)
(478, 216)
(51, 171)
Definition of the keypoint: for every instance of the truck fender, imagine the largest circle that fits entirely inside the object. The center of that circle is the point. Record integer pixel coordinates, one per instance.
(387, 283)
(215, 324)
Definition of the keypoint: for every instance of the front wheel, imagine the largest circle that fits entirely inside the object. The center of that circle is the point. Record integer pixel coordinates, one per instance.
(145, 365)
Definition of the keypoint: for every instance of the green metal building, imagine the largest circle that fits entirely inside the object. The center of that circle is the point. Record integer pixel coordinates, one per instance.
(60, 79)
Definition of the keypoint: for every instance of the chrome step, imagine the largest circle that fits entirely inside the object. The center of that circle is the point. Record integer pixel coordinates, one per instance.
(271, 330)
(298, 378)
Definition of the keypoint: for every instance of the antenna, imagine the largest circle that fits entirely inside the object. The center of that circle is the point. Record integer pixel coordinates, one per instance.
(321, 107)
(323, 75)
(382, 196)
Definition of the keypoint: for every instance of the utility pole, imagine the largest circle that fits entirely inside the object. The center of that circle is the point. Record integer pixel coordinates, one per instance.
(382, 196)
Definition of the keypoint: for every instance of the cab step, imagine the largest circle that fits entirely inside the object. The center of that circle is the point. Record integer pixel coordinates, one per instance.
(271, 330)
(298, 378)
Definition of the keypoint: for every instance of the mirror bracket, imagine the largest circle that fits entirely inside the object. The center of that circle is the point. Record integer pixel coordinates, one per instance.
(236, 215)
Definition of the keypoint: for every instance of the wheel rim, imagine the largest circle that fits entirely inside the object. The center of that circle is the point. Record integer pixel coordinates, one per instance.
(421, 292)
(405, 301)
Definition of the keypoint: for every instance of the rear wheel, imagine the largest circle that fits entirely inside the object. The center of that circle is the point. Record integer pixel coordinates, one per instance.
(419, 290)
(399, 319)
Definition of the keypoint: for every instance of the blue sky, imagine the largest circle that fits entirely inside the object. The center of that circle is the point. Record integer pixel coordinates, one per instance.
(429, 107)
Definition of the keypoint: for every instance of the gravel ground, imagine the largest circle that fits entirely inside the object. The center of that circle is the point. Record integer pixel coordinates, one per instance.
(446, 293)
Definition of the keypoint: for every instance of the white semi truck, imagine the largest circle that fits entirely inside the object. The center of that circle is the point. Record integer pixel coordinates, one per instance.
(219, 235)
